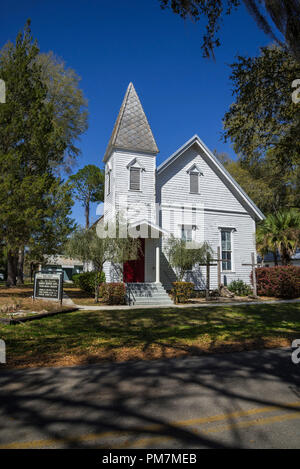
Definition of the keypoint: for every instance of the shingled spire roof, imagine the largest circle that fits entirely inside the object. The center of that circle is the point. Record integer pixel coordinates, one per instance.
(132, 130)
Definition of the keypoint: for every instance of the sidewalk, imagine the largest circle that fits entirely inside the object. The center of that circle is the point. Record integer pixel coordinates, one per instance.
(194, 305)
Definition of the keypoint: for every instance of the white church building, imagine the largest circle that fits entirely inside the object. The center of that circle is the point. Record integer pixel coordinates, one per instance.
(190, 195)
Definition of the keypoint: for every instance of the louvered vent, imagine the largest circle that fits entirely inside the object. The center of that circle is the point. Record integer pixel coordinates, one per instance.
(194, 183)
(135, 179)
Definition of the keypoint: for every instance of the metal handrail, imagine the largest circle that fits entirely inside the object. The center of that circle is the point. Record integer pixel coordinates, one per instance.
(129, 290)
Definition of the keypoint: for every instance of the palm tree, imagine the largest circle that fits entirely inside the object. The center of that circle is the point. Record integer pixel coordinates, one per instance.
(279, 233)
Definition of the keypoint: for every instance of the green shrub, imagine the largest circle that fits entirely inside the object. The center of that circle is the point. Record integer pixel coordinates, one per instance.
(182, 291)
(240, 288)
(282, 281)
(113, 293)
(86, 281)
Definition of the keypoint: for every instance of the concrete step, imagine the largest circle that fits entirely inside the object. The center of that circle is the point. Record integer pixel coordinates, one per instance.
(152, 299)
(148, 294)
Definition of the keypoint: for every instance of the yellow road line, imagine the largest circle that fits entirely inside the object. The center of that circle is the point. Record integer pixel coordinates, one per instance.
(220, 428)
(158, 427)
(251, 423)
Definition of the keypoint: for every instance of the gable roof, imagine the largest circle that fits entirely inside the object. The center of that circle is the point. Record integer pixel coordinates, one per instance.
(269, 257)
(196, 140)
(131, 130)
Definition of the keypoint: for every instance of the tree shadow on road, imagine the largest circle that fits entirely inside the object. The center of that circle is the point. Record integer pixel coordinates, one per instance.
(117, 405)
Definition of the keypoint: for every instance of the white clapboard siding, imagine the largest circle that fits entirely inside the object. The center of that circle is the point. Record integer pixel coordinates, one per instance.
(173, 184)
(140, 203)
(215, 206)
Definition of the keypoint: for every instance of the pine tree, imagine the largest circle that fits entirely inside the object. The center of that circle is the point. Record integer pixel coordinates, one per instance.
(31, 146)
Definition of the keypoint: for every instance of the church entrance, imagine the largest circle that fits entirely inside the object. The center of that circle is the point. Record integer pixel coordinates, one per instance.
(134, 271)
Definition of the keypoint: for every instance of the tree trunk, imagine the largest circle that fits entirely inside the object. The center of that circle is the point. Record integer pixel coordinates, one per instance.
(96, 288)
(11, 268)
(31, 272)
(87, 215)
(20, 267)
(285, 257)
(275, 257)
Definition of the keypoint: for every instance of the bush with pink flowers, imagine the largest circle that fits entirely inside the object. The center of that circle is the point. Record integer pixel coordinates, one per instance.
(280, 281)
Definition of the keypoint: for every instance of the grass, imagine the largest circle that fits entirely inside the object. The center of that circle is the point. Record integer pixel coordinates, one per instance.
(120, 335)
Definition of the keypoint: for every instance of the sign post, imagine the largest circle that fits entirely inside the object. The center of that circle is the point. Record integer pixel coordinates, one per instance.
(48, 286)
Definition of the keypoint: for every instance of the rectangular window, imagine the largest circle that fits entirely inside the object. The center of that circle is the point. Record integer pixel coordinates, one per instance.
(226, 250)
(186, 233)
(108, 182)
(135, 179)
(194, 183)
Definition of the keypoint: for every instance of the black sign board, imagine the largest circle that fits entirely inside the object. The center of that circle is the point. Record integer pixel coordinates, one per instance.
(48, 286)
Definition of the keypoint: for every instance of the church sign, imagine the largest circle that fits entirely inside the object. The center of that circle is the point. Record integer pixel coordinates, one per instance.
(48, 286)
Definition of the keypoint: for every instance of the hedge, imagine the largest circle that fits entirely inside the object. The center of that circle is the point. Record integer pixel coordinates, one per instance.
(278, 281)
(86, 281)
(113, 293)
(182, 291)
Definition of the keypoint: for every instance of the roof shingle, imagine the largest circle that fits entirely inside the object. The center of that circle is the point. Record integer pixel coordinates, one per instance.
(131, 130)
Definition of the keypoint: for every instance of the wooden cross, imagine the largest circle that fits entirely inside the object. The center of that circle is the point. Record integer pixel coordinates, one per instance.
(208, 265)
(218, 264)
(219, 261)
(253, 265)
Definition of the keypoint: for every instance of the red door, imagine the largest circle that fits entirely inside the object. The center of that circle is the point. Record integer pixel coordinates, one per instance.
(134, 271)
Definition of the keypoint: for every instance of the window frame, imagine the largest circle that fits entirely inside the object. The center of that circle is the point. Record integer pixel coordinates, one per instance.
(230, 231)
(183, 229)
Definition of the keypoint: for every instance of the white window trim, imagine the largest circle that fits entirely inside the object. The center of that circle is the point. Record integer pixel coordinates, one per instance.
(231, 230)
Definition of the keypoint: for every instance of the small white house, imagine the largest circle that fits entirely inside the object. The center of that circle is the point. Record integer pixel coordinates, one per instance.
(190, 195)
(269, 261)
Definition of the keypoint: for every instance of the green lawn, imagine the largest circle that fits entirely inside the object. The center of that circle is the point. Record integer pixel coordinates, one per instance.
(86, 337)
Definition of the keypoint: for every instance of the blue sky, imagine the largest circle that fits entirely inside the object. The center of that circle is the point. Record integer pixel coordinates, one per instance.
(112, 43)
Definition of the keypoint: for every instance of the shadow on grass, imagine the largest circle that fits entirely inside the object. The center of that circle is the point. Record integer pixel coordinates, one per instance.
(86, 337)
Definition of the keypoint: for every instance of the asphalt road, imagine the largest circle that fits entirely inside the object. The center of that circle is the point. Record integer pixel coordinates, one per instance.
(236, 400)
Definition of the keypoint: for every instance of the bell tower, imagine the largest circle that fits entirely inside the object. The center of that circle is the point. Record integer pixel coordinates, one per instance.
(130, 162)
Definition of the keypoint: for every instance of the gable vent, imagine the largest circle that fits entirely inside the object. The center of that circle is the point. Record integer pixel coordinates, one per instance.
(135, 179)
(194, 183)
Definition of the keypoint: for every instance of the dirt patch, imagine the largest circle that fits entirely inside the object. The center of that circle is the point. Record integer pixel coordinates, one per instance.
(26, 305)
